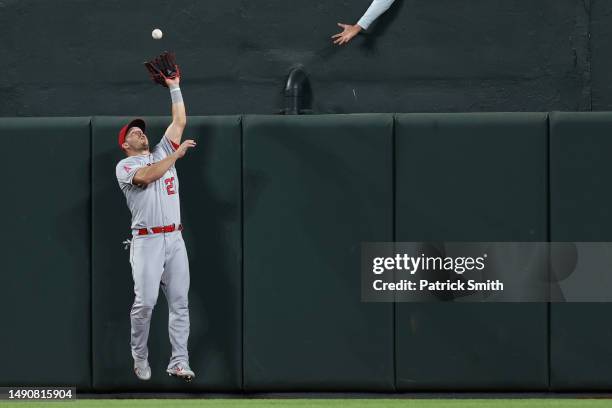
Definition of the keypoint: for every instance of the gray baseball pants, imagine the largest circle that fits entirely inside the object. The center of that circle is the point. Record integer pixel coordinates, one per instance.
(160, 259)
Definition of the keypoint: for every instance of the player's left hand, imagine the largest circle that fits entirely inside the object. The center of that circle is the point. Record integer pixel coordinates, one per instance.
(347, 34)
(172, 81)
(163, 69)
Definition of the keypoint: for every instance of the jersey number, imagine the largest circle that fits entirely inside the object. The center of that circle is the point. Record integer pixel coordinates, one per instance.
(170, 185)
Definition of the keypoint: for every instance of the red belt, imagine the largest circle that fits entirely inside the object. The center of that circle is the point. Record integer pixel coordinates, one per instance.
(159, 230)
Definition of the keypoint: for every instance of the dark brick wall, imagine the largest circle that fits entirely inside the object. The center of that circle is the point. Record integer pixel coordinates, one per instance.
(83, 57)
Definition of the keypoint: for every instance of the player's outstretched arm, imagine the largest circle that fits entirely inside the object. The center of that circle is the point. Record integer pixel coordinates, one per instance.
(372, 13)
(155, 171)
(179, 117)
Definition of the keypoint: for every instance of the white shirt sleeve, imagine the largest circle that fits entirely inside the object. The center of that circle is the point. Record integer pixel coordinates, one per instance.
(373, 12)
(126, 170)
(164, 148)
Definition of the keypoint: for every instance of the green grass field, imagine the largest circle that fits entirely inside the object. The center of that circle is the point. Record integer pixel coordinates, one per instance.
(321, 403)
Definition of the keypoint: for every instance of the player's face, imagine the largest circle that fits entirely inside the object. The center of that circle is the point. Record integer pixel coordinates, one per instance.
(137, 139)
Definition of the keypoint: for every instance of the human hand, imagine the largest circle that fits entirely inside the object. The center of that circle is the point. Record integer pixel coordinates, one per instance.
(347, 34)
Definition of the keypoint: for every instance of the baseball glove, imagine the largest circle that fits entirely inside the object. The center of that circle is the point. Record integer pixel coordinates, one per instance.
(163, 67)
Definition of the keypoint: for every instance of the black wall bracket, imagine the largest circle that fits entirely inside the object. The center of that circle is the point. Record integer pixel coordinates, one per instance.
(297, 93)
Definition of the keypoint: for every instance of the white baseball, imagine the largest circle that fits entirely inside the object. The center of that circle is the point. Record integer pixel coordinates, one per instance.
(157, 34)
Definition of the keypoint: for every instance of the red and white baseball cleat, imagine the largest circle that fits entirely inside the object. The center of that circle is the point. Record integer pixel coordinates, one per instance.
(142, 370)
(181, 370)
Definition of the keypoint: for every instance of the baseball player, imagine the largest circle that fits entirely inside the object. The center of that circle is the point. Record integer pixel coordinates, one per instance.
(149, 181)
(349, 31)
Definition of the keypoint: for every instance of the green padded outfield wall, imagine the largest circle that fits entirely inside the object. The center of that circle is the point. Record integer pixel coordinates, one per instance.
(471, 177)
(211, 212)
(580, 210)
(45, 250)
(315, 187)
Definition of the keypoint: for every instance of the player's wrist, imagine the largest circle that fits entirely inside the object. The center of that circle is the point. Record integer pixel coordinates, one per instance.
(175, 94)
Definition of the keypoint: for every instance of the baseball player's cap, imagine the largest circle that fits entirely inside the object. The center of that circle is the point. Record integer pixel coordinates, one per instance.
(135, 122)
